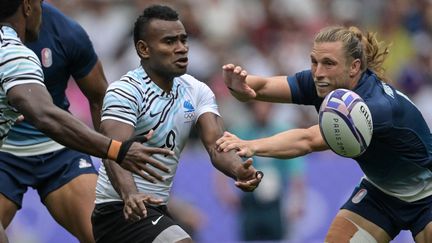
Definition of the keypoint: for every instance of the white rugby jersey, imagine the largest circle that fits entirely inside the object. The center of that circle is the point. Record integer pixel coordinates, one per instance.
(139, 102)
(18, 65)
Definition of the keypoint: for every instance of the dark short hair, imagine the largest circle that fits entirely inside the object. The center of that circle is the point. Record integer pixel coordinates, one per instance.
(152, 12)
(8, 8)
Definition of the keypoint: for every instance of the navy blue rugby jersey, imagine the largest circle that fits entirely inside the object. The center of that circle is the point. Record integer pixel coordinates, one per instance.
(64, 50)
(399, 158)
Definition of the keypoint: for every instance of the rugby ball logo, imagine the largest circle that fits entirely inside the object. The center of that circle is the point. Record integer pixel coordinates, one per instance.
(345, 123)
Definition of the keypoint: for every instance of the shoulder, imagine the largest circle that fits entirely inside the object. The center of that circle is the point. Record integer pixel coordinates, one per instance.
(193, 83)
(129, 83)
(381, 103)
(18, 51)
(57, 22)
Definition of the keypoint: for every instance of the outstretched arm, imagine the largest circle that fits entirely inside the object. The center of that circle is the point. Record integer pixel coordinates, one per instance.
(246, 87)
(211, 128)
(284, 145)
(35, 103)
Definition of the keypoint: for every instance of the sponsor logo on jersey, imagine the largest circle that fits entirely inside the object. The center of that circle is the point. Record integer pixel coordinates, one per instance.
(154, 114)
(359, 196)
(157, 220)
(189, 111)
(84, 164)
(388, 90)
(46, 57)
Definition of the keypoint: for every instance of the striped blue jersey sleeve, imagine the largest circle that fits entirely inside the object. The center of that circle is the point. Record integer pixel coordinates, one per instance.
(18, 64)
(122, 102)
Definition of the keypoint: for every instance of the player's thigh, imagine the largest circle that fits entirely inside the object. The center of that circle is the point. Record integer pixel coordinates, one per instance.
(8, 210)
(425, 236)
(72, 204)
(348, 225)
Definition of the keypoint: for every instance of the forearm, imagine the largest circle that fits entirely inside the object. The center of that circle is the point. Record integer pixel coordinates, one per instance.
(69, 131)
(226, 162)
(271, 89)
(95, 111)
(122, 180)
(284, 145)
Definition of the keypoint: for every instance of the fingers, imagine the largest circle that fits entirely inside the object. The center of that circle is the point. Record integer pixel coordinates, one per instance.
(157, 164)
(247, 164)
(135, 206)
(137, 169)
(149, 174)
(132, 212)
(227, 67)
(250, 185)
(163, 151)
(259, 174)
(149, 134)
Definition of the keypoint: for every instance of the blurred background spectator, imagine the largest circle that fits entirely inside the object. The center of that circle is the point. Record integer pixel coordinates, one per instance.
(267, 213)
(267, 37)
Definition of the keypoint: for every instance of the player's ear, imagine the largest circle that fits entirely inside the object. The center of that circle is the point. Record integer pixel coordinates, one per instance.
(26, 8)
(142, 49)
(355, 67)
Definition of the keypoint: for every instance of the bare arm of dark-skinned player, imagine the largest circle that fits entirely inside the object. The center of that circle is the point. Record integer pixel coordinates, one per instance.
(134, 201)
(122, 131)
(211, 128)
(35, 103)
(122, 180)
(93, 86)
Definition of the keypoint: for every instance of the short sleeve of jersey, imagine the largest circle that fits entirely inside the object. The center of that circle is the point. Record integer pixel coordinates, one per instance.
(75, 42)
(206, 101)
(121, 103)
(303, 89)
(19, 66)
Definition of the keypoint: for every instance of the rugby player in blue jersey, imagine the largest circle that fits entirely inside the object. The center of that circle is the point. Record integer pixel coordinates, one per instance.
(160, 99)
(396, 191)
(23, 91)
(64, 178)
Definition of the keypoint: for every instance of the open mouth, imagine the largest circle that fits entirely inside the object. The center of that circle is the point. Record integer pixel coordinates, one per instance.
(182, 61)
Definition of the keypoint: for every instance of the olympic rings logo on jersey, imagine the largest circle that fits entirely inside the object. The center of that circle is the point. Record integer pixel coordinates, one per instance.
(189, 116)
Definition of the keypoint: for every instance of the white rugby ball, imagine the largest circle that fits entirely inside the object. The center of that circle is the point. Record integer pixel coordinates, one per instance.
(345, 123)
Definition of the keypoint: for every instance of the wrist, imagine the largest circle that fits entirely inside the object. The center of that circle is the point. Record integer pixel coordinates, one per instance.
(238, 96)
(113, 149)
(125, 194)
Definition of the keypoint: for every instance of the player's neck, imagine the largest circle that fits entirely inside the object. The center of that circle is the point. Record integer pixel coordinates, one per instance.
(162, 82)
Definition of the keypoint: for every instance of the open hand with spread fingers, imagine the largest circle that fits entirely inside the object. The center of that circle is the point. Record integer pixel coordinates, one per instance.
(134, 156)
(235, 79)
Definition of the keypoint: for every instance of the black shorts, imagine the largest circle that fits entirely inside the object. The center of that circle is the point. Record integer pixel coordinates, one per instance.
(109, 225)
(389, 213)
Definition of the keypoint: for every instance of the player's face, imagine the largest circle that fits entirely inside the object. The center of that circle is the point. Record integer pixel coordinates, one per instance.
(33, 20)
(167, 48)
(329, 67)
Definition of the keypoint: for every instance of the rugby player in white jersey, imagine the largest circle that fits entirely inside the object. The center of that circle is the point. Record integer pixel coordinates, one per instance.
(159, 100)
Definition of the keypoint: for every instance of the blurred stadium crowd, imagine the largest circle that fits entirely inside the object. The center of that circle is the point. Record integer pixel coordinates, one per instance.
(267, 37)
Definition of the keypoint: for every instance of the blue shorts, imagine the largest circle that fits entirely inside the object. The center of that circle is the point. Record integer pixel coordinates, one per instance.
(45, 173)
(389, 213)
